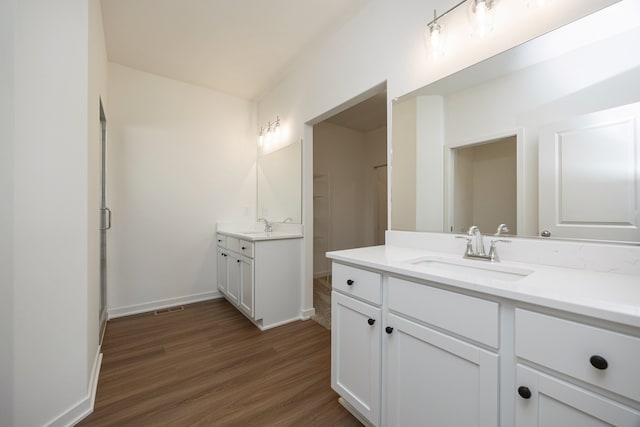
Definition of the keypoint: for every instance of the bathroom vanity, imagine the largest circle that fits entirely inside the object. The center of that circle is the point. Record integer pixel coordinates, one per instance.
(422, 336)
(259, 273)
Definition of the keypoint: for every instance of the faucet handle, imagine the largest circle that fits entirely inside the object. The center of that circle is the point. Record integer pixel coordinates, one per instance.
(469, 240)
(493, 254)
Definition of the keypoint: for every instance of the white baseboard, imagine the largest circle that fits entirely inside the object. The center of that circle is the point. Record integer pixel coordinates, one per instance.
(85, 406)
(157, 305)
(307, 314)
(276, 324)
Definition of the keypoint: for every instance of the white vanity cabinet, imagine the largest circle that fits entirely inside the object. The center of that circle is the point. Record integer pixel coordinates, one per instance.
(430, 377)
(409, 352)
(433, 377)
(590, 373)
(261, 278)
(229, 269)
(355, 339)
(355, 356)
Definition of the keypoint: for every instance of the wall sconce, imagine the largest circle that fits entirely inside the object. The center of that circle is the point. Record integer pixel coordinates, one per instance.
(270, 135)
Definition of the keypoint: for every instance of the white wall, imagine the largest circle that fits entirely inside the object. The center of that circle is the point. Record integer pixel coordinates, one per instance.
(53, 216)
(97, 90)
(6, 212)
(384, 42)
(181, 158)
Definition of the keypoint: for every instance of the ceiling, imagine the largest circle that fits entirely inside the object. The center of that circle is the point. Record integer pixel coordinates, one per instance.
(239, 47)
(366, 116)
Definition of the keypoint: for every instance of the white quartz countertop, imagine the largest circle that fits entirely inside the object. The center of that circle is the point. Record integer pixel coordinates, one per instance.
(261, 235)
(607, 296)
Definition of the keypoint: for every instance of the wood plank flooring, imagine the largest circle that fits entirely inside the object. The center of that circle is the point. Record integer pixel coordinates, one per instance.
(209, 366)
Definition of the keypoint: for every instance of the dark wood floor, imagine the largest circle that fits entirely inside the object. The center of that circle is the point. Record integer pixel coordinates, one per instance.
(209, 366)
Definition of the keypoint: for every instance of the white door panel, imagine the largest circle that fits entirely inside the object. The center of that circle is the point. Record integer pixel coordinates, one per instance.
(588, 169)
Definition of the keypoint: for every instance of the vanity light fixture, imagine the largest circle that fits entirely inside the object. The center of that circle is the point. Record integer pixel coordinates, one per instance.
(480, 14)
(271, 134)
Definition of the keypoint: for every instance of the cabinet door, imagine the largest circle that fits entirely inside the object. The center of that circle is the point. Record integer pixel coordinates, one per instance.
(233, 277)
(222, 270)
(355, 354)
(434, 379)
(246, 286)
(550, 402)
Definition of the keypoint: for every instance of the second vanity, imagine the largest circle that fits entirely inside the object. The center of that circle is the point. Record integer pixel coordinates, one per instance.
(259, 273)
(423, 337)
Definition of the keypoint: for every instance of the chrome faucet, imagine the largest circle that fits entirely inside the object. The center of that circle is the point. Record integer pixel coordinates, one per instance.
(502, 229)
(479, 252)
(268, 227)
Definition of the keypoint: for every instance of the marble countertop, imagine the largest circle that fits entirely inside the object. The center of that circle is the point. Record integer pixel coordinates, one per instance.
(251, 235)
(608, 296)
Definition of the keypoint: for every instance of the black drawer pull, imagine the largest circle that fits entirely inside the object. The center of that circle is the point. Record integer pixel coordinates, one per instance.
(599, 362)
(238, 261)
(349, 282)
(524, 392)
(388, 329)
(243, 248)
(371, 321)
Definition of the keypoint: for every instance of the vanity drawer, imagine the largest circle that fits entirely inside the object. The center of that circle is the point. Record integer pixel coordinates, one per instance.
(363, 284)
(569, 347)
(233, 244)
(246, 248)
(470, 317)
(222, 240)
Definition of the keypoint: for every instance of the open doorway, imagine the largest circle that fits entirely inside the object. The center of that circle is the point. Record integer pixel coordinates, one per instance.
(485, 185)
(349, 189)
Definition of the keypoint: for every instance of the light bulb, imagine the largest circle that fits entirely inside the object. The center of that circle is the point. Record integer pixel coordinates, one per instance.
(435, 38)
(277, 130)
(482, 16)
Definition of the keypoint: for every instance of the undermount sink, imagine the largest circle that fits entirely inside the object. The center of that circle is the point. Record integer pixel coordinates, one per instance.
(475, 269)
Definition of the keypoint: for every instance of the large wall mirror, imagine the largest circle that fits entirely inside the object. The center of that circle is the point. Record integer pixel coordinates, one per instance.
(544, 137)
(280, 184)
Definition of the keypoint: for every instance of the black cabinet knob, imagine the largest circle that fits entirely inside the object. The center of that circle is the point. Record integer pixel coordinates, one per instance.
(238, 261)
(524, 392)
(371, 321)
(243, 248)
(599, 362)
(349, 282)
(388, 329)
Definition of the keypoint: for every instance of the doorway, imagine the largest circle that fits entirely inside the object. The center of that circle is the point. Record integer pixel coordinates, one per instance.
(349, 189)
(105, 222)
(485, 185)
